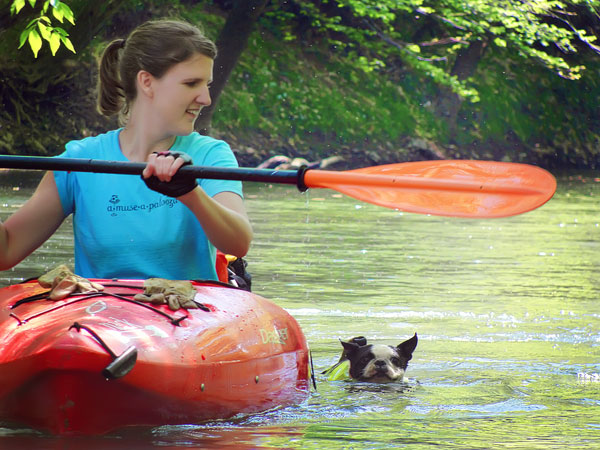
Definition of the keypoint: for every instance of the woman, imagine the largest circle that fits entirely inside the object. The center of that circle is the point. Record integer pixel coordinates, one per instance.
(157, 80)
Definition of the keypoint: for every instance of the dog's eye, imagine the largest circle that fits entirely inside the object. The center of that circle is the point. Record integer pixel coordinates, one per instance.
(365, 360)
(396, 361)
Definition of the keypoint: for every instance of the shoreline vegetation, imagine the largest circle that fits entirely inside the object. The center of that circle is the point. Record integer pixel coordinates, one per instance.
(293, 100)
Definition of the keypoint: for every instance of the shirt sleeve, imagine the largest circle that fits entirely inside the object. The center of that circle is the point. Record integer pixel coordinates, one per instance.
(218, 154)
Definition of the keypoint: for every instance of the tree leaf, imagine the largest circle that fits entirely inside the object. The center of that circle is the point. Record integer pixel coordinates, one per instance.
(44, 31)
(60, 31)
(35, 42)
(67, 12)
(58, 14)
(16, 6)
(23, 37)
(67, 43)
(54, 43)
(500, 42)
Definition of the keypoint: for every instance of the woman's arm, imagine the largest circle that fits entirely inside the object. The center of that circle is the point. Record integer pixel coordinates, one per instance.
(31, 225)
(223, 218)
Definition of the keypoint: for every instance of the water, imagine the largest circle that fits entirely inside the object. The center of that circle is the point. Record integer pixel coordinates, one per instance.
(505, 309)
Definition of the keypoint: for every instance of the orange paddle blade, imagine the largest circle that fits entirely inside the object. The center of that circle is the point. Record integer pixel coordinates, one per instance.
(459, 188)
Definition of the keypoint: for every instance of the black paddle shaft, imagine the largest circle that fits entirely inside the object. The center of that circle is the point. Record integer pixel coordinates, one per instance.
(295, 177)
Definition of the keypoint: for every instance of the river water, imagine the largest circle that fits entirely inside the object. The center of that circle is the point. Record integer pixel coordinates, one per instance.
(506, 311)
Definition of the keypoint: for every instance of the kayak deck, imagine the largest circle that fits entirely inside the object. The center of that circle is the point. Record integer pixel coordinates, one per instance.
(240, 353)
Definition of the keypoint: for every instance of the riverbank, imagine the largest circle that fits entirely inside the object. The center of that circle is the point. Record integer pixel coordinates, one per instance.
(72, 115)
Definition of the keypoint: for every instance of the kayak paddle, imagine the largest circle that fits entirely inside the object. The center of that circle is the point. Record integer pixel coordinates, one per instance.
(459, 188)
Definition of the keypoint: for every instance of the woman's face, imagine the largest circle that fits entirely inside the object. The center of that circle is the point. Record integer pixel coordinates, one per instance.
(181, 93)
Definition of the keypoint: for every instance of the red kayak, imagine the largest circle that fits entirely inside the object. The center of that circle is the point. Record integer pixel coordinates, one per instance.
(92, 363)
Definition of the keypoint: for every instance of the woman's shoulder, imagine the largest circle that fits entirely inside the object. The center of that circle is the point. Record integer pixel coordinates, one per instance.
(204, 149)
(199, 141)
(97, 146)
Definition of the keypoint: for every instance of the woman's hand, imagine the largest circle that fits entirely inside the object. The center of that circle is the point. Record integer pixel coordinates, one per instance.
(161, 174)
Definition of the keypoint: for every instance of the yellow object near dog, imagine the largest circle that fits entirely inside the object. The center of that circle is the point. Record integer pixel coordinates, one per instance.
(338, 372)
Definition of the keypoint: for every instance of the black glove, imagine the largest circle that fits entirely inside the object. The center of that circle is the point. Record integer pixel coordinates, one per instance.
(179, 185)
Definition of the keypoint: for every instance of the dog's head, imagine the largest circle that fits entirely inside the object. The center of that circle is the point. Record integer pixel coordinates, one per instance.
(378, 363)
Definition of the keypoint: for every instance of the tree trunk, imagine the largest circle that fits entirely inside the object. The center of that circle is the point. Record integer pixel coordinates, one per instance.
(448, 102)
(231, 42)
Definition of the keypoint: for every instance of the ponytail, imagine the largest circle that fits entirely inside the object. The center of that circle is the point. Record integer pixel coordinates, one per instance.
(111, 95)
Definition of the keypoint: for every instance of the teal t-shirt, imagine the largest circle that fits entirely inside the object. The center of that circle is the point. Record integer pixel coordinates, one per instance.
(123, 229)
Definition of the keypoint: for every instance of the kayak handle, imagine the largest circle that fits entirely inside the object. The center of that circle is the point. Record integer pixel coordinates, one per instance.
(121, 365)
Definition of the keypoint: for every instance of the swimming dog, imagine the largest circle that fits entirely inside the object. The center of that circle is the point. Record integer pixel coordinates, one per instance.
(375, 363)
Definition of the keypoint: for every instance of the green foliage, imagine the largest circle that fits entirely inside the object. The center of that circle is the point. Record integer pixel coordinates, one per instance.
(533, 29)
(549, 118)
(428, 34)
(526, 43)
(305, 101)
(362, 76)
(42, 28)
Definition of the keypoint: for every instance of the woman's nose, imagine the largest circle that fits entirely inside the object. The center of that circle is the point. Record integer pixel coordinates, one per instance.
(203, 97)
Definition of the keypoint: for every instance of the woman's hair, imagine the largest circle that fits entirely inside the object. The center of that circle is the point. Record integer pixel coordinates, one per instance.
(155, 47)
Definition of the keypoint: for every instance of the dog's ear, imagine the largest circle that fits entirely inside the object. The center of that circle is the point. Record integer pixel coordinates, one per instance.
(349, 347)
(360, 340)
(407, 348)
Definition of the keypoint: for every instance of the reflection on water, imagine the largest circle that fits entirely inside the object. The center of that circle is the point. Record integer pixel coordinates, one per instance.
(506, 312)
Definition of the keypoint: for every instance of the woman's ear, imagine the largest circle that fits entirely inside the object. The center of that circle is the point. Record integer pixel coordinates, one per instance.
(145, 83)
